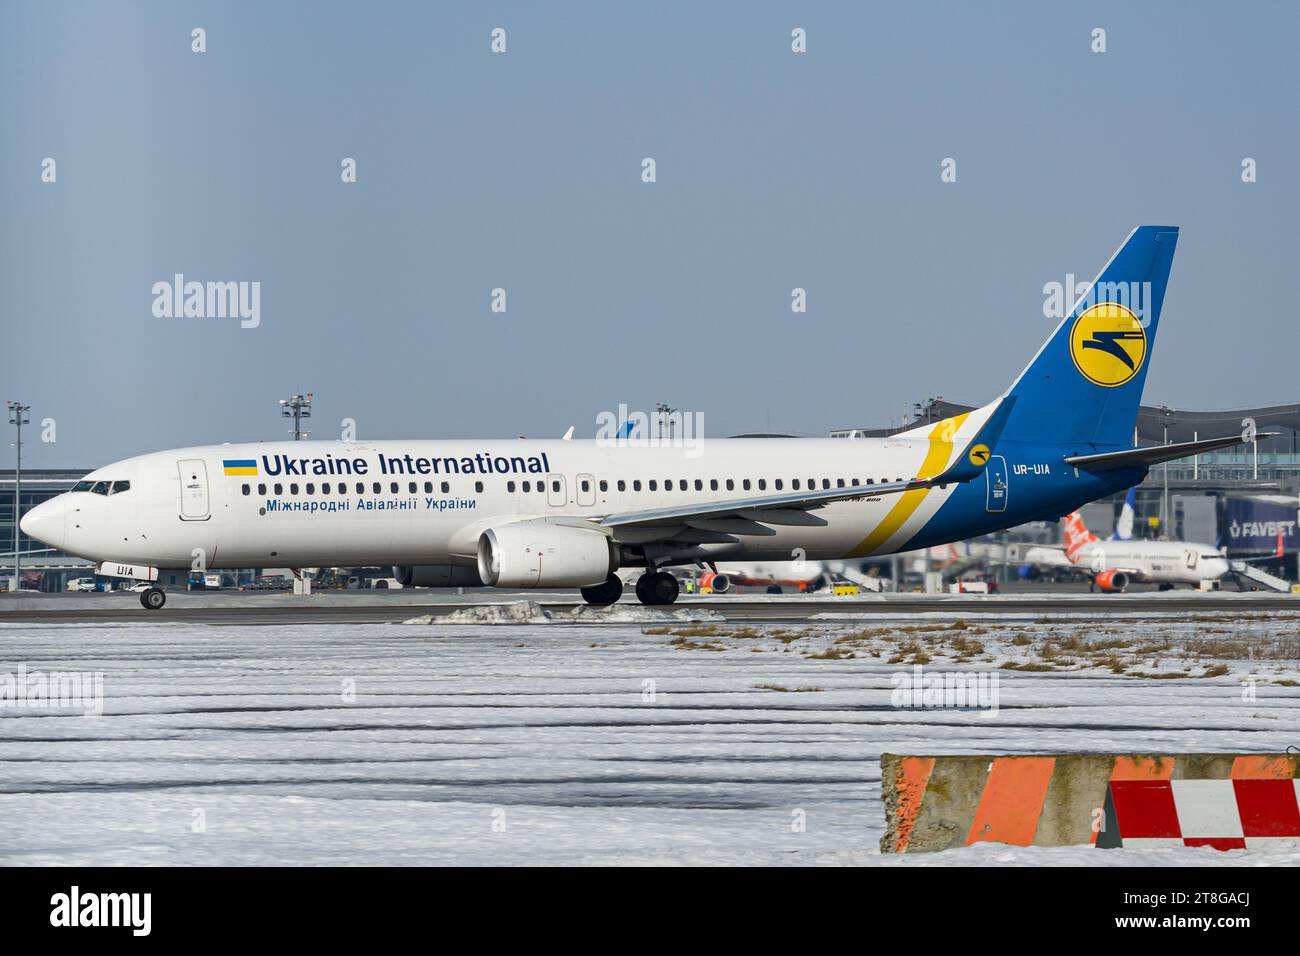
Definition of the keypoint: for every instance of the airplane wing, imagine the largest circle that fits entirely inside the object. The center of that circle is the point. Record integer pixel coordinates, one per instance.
(1156, 454)
(791, 508)
(747, 516)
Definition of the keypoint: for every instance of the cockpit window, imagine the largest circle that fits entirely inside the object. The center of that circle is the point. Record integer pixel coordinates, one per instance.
(82, 486)
(119, 487)
(100, 487)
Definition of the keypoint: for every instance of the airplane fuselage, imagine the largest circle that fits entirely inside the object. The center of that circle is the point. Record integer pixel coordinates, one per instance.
(306, 504)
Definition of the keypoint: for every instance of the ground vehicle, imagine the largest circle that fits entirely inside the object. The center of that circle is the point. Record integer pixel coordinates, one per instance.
(82, 584)
(270, 582)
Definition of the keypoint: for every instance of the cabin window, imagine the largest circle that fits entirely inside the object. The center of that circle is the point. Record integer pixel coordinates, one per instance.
(412, 488)
(826, 483)
(245, 489)
(699, 485)
(510, 487)
(586, 485)
(731, 484)
(555, 486)
(261, 489)
(604, 485)
(622, 485)
(636, 484)
(311, 488)
(779, 484)
(668, 484)
(445, 487)
(713, 484)
(428, 487)
(794, 483)
(279, 488)
(478, 487)
(839, 482)
(745, 484)
(762, 484)
(325, 488)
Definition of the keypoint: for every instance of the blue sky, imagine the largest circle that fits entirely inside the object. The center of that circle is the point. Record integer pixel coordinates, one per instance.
(523, 171)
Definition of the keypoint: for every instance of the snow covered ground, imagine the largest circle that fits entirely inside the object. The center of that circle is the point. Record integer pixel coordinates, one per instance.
(592, 743)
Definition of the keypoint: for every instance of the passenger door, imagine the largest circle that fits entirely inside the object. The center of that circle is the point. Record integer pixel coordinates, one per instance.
(194, 489)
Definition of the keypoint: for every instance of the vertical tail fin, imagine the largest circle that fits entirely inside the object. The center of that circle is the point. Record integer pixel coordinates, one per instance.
(1084, 385)
(1124, 526)
(1077, 536)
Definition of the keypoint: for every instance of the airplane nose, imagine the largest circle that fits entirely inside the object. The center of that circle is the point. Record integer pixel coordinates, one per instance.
(45, 522)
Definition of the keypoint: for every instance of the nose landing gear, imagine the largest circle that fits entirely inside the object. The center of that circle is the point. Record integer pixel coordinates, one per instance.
(657, 587)
(153, 599)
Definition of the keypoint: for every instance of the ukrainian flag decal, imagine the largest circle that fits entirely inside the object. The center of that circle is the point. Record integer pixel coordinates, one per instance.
(240, 466)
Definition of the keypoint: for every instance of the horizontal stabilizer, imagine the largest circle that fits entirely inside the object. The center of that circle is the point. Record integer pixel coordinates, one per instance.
(1156, 454)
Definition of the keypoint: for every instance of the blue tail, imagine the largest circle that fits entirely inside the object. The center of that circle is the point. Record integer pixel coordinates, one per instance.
(1083, 387)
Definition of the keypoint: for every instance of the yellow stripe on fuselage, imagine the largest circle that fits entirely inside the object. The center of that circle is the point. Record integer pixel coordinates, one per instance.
(936, 460)
(241, 471)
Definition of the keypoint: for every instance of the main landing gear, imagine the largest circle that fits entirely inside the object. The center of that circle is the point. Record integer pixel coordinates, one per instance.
(657, 587)
(153, 599)
(602, 595)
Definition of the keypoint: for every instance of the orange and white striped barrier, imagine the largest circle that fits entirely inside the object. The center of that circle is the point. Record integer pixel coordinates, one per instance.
(1228, 801)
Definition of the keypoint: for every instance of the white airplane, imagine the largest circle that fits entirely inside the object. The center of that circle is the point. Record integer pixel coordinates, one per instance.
(1117, 562)
(564, 514)
(778, 575)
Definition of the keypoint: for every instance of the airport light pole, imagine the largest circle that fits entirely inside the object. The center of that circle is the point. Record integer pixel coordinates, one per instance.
(18, 418)
(665, 412)
(298, 407)
(1165, 413)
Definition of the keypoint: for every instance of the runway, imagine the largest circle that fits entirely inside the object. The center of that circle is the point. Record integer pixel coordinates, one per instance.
(563, 743)
(372, 607)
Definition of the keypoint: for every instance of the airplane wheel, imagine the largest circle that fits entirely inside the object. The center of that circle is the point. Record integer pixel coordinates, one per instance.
(603, 595)
(153, 599)
(657, 588)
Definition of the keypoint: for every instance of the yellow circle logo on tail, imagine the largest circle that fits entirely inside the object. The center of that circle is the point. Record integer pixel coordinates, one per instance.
(979, 456)
(1108, 344)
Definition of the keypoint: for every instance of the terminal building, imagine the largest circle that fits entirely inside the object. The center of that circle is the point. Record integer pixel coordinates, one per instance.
(39, 484)
(1243, 500)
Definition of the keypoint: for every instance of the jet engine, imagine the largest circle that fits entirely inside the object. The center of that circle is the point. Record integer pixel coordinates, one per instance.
(437, 576)
(1111, 580)
(543, 554)
(720, 583)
